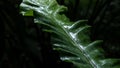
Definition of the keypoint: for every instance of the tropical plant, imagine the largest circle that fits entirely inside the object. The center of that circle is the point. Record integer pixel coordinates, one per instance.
(71, 39)
(103, 16)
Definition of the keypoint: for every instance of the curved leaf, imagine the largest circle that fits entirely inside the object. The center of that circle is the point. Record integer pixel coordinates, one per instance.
(71, 39)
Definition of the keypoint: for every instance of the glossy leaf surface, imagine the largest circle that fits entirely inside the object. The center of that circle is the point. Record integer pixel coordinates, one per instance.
(71, 39)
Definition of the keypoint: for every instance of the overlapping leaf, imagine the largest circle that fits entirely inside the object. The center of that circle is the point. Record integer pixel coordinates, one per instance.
(71, 39)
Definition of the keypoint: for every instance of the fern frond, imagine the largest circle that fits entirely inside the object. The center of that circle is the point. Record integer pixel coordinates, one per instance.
(71, 39)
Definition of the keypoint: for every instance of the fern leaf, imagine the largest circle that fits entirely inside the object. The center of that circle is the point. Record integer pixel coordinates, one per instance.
(71, 39)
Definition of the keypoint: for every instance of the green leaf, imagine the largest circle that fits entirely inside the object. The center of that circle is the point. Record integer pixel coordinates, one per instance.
(28, 13)
(71, 39)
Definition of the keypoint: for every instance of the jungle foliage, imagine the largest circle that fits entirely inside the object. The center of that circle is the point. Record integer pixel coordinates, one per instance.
(71, 39)
(59, 34)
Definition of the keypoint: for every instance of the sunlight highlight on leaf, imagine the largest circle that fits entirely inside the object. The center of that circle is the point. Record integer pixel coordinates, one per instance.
(71, 39)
